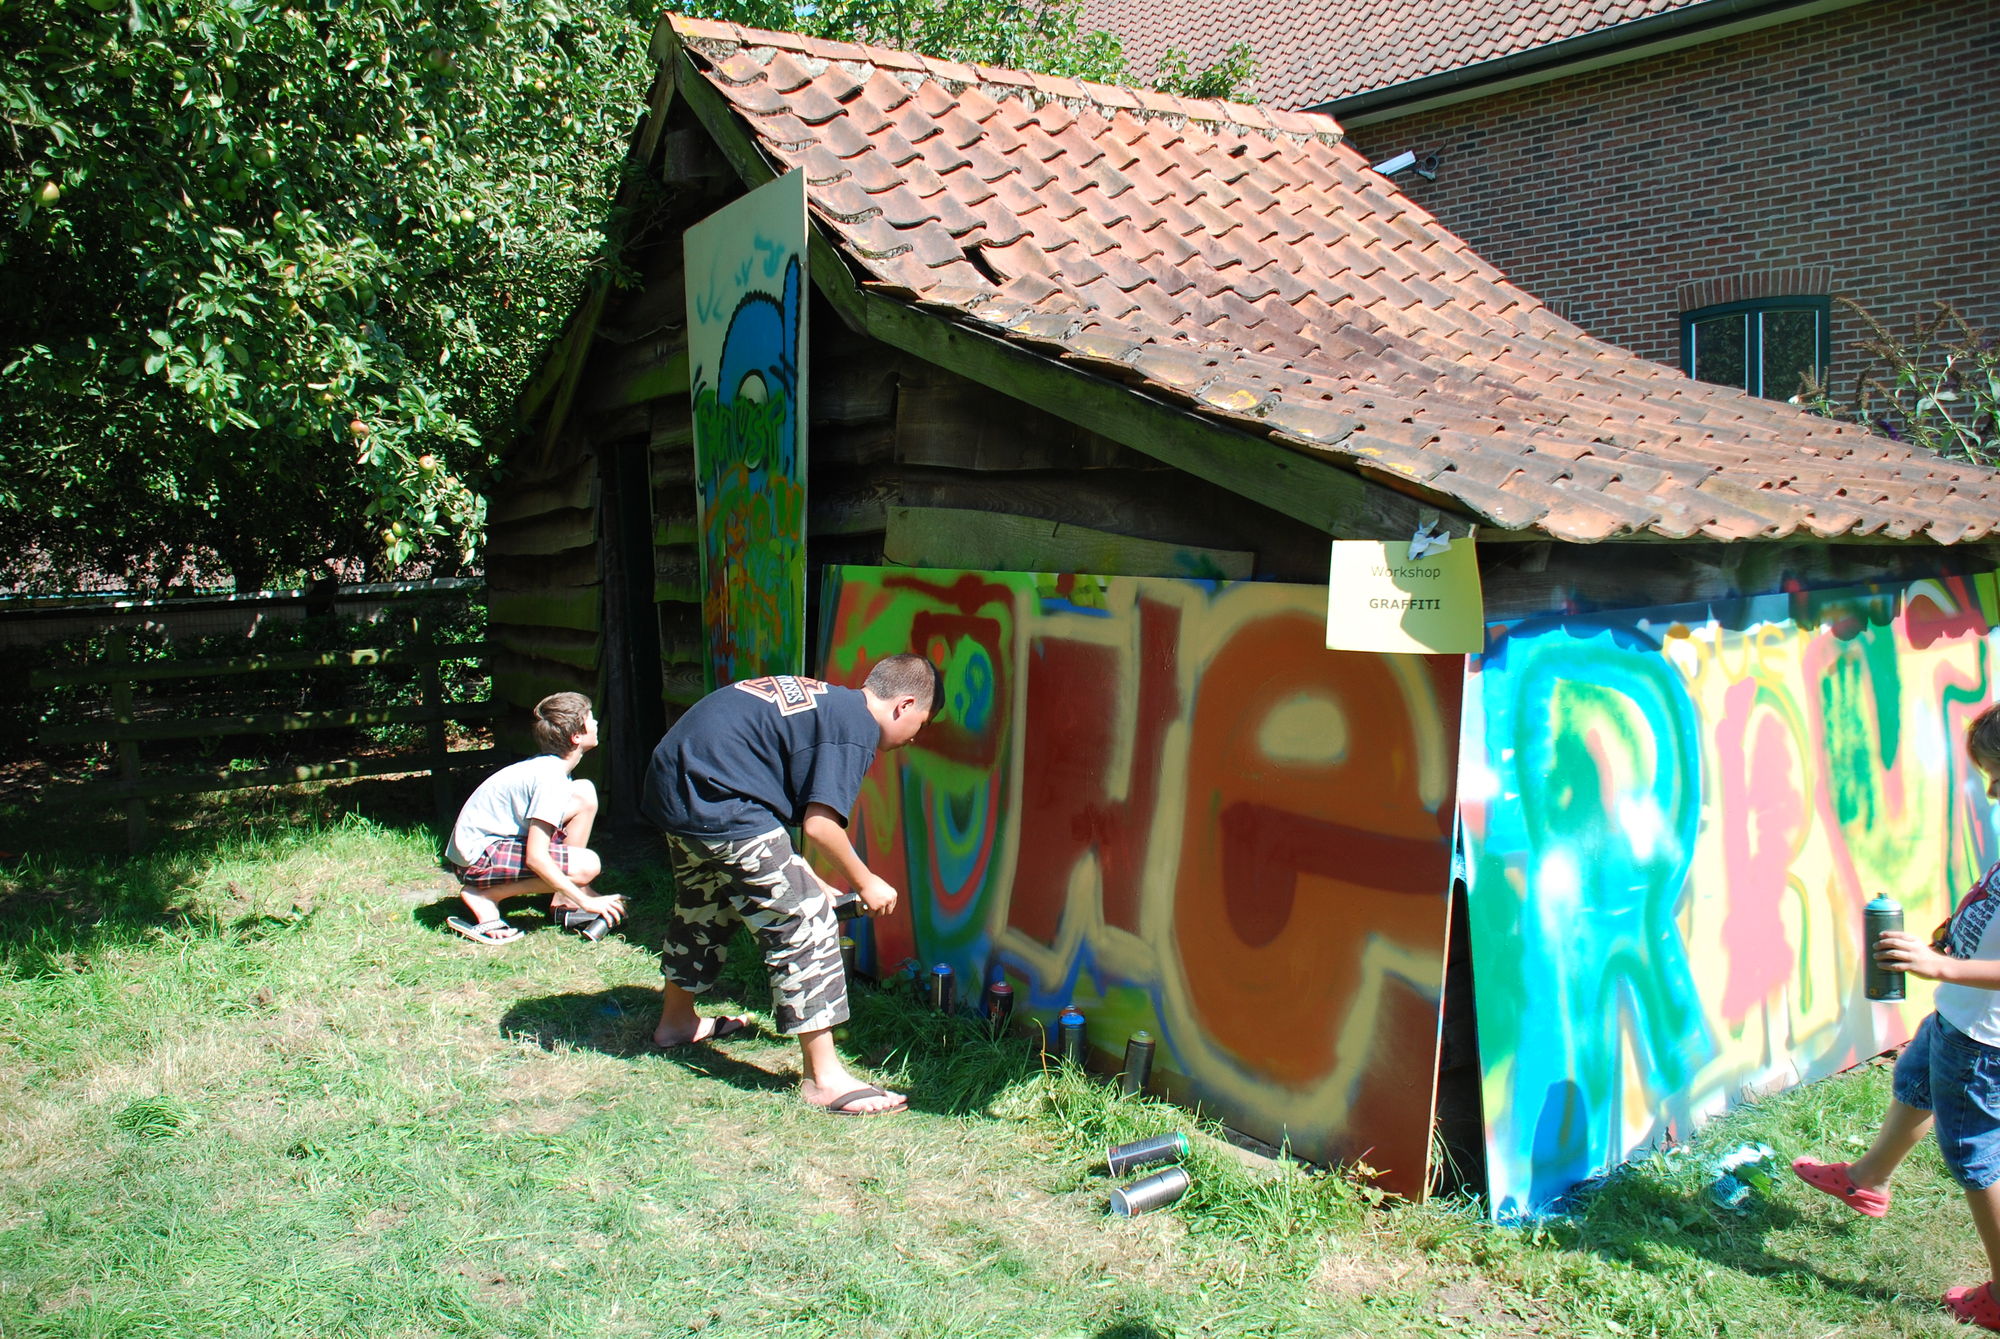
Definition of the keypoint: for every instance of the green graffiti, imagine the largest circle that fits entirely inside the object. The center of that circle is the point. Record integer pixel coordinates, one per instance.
(743, 432)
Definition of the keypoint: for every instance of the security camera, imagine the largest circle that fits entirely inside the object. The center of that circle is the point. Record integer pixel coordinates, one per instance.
(1389, 167)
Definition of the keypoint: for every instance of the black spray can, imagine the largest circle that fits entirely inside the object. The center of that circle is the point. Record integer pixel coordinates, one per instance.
(1138, 1064)
(1154, 1192)
(998, 1006)
(1069, 1035)
(1122, 1158)
(944, 988)
(1884, 913)
(847, 954)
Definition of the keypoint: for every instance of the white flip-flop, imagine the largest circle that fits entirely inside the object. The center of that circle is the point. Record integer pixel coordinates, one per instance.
(495, 931)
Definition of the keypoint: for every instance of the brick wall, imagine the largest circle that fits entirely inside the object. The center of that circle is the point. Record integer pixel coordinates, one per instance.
(1856, 150)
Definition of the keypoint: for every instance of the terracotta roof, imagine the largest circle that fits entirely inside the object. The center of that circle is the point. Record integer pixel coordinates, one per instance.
(1248, 264)
(1308, 55)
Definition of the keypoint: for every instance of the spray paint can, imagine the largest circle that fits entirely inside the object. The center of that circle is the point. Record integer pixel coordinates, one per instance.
(998, 1006)
(1122, 1158)
(847, 954)
(1138, 1063)
(1154, 1192)
(1069, 1035)
(1884, 913)
(944, 988)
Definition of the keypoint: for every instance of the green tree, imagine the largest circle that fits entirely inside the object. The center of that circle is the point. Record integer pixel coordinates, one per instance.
(275, 270)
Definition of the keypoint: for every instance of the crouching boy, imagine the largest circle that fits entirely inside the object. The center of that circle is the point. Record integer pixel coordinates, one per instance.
(742, 765)
(526, 830)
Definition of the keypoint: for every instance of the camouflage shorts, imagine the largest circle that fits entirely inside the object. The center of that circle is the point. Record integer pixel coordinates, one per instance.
(766, 885)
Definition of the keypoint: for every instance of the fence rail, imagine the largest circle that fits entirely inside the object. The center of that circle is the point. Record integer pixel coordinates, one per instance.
(124, 729)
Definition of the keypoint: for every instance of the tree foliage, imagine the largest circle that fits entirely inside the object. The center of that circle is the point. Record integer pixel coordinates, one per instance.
(276, 269)
(1937, 387)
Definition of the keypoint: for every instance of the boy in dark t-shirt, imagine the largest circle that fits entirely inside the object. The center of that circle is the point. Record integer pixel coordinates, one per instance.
(742, 765)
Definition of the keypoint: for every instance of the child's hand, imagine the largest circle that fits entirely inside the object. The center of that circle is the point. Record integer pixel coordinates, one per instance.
(876, 895)
(611, 907)
(1900, 951)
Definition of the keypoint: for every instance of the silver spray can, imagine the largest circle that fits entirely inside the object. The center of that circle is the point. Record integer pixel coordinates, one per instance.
(1884, 913)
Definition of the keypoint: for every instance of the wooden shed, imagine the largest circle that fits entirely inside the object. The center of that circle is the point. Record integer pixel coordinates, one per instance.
(1061, 328)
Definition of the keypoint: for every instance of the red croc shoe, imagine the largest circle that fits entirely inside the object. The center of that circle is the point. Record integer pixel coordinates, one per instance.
(1974, 1305)
(1832, 1177)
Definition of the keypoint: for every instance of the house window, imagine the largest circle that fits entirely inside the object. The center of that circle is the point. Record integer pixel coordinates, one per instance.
(1763, 347)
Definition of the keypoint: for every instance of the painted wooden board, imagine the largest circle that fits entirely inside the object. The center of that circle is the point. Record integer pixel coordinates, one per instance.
(746, 298)
(1672, 818)
(1166, 802)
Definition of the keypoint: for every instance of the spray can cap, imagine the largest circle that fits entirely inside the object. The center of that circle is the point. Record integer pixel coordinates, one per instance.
(942, 969)
(1071, 1014)
(1143, 1037)
(1884, 902)
(1000, 988)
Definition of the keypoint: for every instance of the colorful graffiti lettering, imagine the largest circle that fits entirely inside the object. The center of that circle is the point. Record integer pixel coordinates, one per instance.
(1671, 820)
(1166, 802)
(746, 341)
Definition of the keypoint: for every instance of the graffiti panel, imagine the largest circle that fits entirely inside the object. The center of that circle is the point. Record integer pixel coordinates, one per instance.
(1671, 820)
(1165, 802)
(746, 305)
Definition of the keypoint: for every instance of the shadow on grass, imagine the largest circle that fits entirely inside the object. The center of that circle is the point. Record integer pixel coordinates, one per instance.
(69, 889)
(948, 1065)
(1647, 1224)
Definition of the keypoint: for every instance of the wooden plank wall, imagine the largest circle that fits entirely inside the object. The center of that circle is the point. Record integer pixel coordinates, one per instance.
(545, 612)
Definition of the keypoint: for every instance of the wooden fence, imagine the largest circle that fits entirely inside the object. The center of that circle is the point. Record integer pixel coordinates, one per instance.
(125, 729)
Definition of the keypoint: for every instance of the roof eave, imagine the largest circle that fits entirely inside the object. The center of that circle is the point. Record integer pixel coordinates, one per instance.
(1706, 22)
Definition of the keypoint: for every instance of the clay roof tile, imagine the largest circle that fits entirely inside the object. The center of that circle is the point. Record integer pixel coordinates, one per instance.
(1249, 263)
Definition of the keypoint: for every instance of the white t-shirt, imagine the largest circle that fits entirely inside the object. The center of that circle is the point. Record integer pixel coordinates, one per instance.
(505, 803)
(1974, 933)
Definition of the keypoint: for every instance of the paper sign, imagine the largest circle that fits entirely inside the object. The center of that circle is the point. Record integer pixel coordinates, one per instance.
(1381, 599)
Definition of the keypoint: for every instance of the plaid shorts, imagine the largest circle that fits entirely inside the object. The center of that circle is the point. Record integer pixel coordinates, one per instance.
(506, 860)
(765, 885)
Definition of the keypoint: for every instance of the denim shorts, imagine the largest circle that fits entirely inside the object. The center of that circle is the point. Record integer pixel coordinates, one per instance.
(1957, 1080)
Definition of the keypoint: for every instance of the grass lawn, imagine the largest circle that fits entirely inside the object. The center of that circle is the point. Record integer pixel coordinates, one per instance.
(251, 1086)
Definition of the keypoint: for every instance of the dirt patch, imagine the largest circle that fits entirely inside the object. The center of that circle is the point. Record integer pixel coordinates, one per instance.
(491, 1285)
(1361, 1272)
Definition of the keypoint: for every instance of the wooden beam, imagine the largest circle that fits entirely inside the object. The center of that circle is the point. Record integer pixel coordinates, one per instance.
(651, 369)
(580, 609)
(203, 783)
(857, 505)
(577, 488)
(1331, 499)
(562, 645)
(992, 542)
(553, 532)
(262, 723)
(359, 658)
(522, 683)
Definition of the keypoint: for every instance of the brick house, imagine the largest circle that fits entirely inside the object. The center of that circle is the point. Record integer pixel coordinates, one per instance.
(1694, 180)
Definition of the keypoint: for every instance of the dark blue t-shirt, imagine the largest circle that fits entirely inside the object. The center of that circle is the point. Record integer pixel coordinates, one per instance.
(751, 757)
